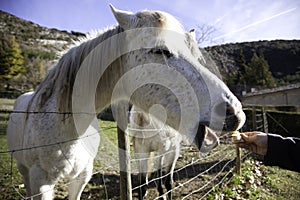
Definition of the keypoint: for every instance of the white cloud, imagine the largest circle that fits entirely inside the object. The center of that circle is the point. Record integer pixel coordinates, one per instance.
(258, 21)
(238, 21)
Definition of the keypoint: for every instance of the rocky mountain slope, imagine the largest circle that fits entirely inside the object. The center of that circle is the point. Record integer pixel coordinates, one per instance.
(282, 56)
(33, 36)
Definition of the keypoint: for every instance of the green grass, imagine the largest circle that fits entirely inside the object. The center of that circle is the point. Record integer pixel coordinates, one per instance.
(284, 182)
(6, 180)
(109, 129)
(259, 182)
(5, 104)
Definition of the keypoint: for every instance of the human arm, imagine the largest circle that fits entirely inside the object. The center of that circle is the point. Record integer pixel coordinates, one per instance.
(277, 150)
(283, 152)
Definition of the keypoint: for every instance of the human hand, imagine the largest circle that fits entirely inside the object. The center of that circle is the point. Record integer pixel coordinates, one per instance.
(256, 142)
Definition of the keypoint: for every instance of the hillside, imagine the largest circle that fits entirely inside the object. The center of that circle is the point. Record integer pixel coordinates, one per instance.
(40, 47)
(33, 36)
(37, 42)
(283, 56)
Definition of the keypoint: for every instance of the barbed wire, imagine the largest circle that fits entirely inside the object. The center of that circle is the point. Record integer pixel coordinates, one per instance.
(52, 144)
(5, 111)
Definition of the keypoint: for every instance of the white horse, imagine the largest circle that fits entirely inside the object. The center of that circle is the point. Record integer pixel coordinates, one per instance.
(150, 135)
(147, 59)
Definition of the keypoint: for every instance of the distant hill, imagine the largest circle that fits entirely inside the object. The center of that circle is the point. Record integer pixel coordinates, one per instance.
(33, 36)
(283, 56)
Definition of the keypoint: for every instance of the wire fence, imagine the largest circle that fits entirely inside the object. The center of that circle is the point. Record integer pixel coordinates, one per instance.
(205, 171)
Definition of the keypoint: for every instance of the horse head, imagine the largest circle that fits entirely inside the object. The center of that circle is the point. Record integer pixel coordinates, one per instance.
(162, 67)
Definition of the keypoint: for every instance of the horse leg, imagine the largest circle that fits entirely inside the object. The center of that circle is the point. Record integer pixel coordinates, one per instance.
(160, 175)
(143, 185)
(143, 169)
(169, 179)
(25, 173)
(169, 182)
(41, 186)
(77, 185)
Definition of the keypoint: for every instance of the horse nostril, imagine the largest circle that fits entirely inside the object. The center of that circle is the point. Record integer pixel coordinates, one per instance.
(224, 109)
(229, 110)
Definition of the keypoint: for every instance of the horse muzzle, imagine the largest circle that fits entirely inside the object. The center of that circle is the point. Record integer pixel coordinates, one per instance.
(226, 117)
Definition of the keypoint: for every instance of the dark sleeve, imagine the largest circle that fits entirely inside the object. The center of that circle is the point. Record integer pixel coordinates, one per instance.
(283, 152)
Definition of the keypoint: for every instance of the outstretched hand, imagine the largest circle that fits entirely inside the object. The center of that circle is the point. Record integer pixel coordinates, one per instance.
(256, 142)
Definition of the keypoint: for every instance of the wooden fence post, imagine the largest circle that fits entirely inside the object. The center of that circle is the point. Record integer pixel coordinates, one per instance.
(265, 121)
(238, 160)
(124, 163)
(124, 154)
(254, 118)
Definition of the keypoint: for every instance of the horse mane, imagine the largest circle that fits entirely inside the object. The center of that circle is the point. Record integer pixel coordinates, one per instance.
(60, 79)
(58, 84)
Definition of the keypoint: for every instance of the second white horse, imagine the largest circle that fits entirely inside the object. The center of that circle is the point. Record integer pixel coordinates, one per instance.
(152, 135)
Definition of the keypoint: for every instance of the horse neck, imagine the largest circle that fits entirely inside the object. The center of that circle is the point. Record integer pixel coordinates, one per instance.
(107, 84)
(59, 83)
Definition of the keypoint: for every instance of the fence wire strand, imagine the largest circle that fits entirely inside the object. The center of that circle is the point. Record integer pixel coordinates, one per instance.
(200, 174)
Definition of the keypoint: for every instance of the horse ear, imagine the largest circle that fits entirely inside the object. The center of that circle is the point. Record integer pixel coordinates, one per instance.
(193, 34)
(124, 18)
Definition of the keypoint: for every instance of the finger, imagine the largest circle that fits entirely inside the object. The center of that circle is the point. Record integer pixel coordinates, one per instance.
(245, 137)
(249, 133)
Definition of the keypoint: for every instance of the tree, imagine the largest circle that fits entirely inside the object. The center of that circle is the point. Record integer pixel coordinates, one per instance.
(242, 68)
(11, 60)
(258, 72)
(205, 35)
(35, 73)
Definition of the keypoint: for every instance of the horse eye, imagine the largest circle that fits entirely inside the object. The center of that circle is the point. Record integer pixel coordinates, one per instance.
(164, 52)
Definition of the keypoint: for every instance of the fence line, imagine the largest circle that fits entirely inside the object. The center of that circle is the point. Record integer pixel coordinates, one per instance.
(5, 111)
(259, 123)
(22, 196)
(180, 169)
(223, 179)
(201, 175)
(53, 144)
(211, 181)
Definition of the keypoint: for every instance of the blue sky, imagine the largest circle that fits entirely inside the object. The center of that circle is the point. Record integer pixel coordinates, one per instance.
(233, 20)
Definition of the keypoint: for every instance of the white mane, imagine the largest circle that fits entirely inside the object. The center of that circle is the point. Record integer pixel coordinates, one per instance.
(60, 80)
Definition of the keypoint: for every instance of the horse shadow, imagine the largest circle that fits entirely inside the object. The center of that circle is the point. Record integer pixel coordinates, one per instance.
(108, 186)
